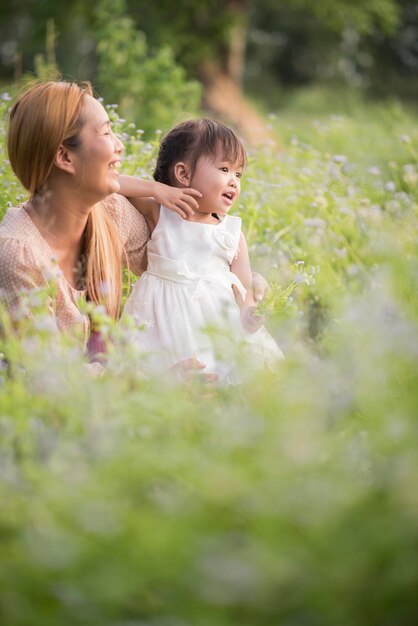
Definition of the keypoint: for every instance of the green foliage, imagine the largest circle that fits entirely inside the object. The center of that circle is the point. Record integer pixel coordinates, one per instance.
(198, 31)
(367, 45)
(364, 17)
(149, 86)
(289, 499)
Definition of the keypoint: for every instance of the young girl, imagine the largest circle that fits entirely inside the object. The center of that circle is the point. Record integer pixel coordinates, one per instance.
(195, 300)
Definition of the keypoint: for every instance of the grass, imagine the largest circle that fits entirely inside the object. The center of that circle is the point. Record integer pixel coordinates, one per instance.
(287, 500)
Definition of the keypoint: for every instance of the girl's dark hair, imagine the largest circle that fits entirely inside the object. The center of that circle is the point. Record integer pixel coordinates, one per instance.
(192, 139)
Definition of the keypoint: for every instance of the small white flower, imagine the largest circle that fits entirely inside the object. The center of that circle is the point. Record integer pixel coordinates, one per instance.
(390, 186)
(45, 323)
(405, 138)
(353, 270)
(316, 222)
(300, 278)
(410, 175)
(341, 252)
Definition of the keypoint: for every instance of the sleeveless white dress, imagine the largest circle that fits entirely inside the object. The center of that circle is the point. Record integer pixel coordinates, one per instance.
(184, 305)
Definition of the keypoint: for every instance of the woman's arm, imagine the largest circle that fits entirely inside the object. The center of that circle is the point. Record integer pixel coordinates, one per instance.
(146, 194)
(241, 267)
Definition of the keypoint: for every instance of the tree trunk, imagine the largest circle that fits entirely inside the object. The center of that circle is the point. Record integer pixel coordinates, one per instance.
(223, 95)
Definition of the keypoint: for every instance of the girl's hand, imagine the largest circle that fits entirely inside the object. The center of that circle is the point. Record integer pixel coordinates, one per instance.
(251, 319)
(261, 288)
(180, 200)
(190, 369)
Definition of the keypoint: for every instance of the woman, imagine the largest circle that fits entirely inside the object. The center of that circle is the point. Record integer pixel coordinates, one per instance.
(62, 149)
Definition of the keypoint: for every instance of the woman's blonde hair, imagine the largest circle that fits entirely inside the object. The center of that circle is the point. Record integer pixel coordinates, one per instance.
(44, 117)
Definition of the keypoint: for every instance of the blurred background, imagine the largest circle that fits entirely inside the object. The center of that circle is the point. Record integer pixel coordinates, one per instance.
(233, 58)
(289, 500)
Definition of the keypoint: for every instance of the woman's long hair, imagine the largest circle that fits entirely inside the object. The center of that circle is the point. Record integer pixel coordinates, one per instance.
(44, 117)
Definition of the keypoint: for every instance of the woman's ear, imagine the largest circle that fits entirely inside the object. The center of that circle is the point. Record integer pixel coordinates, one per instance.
(64, 160)
(182, 173)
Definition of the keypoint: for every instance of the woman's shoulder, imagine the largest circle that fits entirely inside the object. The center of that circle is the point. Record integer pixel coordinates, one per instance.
(19, 238)
(132, 228)
(117, 205)
(15, 223)
(125, 215)
(22, 264)
(18, 234)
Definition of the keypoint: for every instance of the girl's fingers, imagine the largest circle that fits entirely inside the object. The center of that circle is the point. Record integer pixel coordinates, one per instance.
(180, 212)
(260, 287)
(192, 192)
(189, 200)
(174, 207)
(190, 364)
(183, 206)
(190, 197)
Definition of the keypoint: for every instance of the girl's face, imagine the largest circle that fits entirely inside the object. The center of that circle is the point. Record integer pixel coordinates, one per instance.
(97, 158)
(219, 180)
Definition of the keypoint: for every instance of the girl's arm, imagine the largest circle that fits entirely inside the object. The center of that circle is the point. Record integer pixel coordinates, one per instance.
(148, 195)
(241, 267)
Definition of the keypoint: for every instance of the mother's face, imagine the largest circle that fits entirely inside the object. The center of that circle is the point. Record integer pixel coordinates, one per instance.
(97, 158)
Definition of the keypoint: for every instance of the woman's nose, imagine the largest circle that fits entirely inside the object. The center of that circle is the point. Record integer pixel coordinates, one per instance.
(118, 144)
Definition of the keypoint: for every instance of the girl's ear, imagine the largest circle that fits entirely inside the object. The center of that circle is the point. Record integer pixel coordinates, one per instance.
(182, 173)
(64, 160)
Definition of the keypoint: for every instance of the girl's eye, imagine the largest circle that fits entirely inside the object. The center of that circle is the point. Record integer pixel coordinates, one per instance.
(224, 169)
(239, 174)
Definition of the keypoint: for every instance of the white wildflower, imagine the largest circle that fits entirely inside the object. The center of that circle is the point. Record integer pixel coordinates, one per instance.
(353, 270)
(341, 252)
(405, 138)
(45, 323)
(410, 175)
(316, 222)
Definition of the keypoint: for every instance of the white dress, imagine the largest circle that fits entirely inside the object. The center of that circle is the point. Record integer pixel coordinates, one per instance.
(184, 304)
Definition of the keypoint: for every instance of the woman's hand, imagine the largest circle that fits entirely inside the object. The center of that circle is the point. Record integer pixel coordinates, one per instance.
(180, 200)
(261, 288)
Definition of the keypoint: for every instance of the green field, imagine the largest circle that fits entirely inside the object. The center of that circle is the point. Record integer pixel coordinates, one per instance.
(289, 500)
